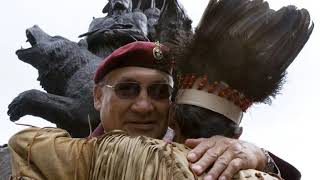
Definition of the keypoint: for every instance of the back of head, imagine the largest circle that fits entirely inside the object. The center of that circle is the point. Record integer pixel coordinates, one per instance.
(198, 122)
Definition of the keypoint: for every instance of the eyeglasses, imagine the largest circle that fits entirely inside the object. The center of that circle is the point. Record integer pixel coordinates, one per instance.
(131, 90)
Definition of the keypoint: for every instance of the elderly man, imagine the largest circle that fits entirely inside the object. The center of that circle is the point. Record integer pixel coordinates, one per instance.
(132, 91)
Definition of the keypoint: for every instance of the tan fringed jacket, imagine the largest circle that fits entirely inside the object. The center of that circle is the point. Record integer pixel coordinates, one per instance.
(50, 153)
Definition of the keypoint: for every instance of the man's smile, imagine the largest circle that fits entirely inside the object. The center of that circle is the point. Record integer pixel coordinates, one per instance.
(141, 125)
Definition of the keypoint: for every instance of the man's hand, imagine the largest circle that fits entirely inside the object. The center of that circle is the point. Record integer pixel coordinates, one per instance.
(222, 157)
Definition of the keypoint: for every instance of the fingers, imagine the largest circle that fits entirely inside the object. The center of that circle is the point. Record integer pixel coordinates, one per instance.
(225, 156)
(192, 143)
(234, 166)
(229, 163)
(221, 163)
(214, 156)
(202, 146)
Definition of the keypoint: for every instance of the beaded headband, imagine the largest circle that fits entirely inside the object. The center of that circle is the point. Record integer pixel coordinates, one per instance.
(217, 96)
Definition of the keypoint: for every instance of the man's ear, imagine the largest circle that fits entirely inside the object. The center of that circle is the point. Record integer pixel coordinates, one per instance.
(97, 97)
(237, 132)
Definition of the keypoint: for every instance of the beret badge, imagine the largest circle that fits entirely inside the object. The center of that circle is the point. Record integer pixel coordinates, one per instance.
(157, 53)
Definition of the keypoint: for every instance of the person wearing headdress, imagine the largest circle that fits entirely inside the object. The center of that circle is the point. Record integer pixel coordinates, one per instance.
(237, 57)
(50, 153)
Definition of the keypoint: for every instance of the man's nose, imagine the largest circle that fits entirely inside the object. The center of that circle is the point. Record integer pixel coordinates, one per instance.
(143, 104)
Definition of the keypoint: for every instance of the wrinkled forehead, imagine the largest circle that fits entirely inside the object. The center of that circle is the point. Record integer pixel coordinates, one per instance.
(139, 74)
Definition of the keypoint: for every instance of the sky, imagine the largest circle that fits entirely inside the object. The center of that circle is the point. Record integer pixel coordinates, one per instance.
(288, 127)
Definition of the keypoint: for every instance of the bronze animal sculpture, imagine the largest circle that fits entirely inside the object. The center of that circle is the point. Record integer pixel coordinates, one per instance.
(65, 72)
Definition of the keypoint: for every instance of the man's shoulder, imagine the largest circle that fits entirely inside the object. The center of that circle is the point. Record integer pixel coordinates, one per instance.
(38, 130)
(29, 134)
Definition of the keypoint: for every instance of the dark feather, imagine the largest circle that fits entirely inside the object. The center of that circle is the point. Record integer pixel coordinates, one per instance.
(245, 44)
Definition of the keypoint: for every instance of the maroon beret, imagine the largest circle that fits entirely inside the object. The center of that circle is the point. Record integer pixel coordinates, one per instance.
(139, 53)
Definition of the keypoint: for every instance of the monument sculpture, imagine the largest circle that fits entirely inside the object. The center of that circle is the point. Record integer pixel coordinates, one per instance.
(66, 68)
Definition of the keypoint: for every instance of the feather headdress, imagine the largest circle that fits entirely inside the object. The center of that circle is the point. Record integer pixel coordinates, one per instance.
(241, 49)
